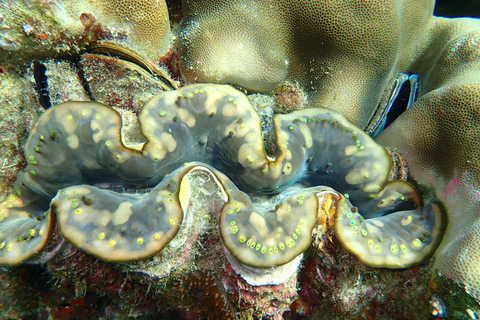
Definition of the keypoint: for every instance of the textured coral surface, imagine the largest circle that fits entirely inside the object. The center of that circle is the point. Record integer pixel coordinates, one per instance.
(361, 50)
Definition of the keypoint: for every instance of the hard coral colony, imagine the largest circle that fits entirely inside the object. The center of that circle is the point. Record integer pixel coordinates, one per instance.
(217, 188)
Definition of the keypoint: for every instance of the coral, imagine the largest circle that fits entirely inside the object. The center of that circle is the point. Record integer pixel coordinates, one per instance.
(340, 52)
(353, 57)
(364, 55)
(140, 25)
(62, 81)
(146, 22)
(18, 113)
(445, 153)
(42, 29)
(264, 62)
(200, 290)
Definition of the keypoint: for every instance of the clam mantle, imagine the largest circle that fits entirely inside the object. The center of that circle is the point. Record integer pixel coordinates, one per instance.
(78, 143)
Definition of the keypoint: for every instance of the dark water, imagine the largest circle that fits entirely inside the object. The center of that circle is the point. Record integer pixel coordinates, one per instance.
(458, 8)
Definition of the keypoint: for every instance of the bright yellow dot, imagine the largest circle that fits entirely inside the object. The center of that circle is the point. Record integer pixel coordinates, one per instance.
(112, 243)
(140, 241)
(417, 243)
(101, 236)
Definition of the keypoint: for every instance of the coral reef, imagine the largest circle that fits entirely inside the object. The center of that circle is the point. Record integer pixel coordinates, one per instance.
(343, 54)
(353, 57)
(289, 247)
(125, 227)
(18, 113)
(44, 29)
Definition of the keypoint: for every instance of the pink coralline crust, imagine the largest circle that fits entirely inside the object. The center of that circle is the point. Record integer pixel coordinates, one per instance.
(451, 187)
(103, 279)
(335, 284)
(289, 97)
